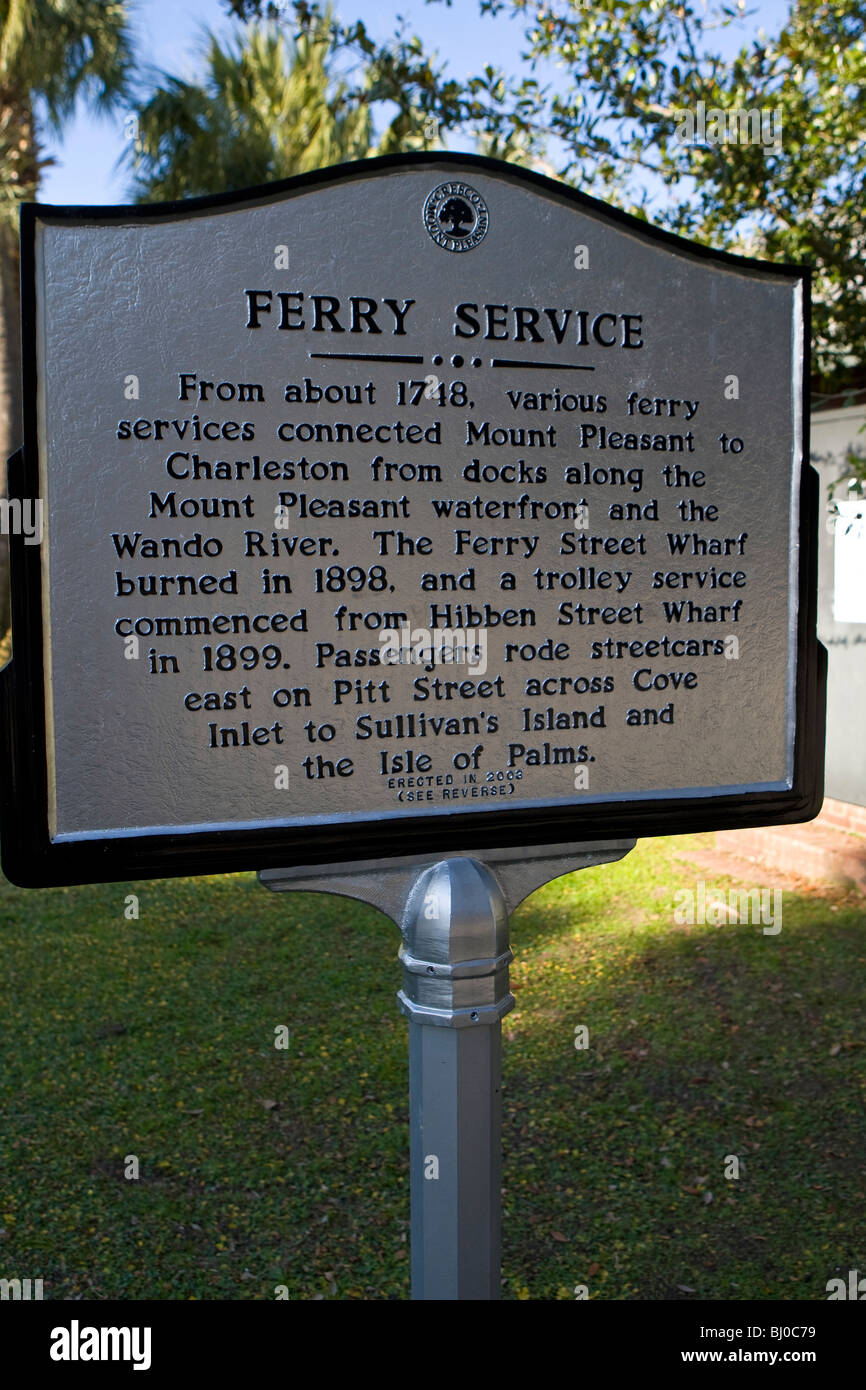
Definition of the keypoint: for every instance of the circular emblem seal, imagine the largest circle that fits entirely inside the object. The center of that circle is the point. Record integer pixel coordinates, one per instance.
(456, 216)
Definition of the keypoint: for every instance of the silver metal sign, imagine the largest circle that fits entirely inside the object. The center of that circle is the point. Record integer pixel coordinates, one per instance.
(422, 502)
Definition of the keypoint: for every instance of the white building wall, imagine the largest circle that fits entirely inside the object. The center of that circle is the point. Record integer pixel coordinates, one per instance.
(833, 432)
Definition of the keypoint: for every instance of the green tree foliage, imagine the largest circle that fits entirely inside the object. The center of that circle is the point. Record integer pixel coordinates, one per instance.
(52, 53)
(266, 108)
(398, 76)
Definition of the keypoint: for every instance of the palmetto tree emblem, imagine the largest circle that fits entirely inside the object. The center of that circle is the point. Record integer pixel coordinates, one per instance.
(456, 216)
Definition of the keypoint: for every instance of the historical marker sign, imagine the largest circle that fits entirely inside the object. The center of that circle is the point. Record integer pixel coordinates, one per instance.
(420, 503)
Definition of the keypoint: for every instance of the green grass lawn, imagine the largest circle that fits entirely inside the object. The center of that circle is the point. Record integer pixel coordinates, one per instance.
(155, 1038)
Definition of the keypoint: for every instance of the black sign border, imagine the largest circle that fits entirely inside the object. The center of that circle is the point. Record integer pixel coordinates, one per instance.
(31, 860)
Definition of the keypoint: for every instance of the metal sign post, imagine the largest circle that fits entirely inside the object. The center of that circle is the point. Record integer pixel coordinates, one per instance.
(453, 914)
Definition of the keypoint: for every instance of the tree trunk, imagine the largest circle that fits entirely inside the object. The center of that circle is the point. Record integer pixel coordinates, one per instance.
(10, 386)
(19, 175)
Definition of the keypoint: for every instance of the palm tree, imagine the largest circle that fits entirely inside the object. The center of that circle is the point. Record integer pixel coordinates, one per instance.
(52, 52)
(265, 109)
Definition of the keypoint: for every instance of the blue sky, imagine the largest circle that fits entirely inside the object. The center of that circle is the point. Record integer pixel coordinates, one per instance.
(170, 36)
